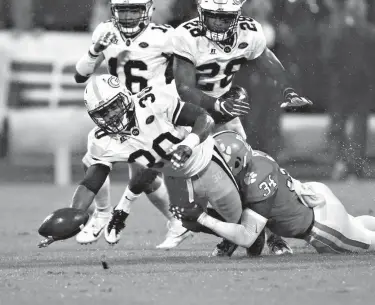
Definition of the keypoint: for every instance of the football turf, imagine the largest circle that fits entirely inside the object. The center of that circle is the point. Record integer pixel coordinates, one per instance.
(137, 273)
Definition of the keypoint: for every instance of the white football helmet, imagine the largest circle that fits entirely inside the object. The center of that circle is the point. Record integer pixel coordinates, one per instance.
(219, 18)
(108, 103)
(131, 16)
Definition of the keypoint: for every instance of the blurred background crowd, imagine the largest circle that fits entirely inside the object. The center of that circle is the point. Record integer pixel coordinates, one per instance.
(327, 46)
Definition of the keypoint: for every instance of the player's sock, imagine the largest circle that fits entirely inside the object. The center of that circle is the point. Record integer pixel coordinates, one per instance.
(160, 199)
(126, 200)
(367, 221)
(103, 199)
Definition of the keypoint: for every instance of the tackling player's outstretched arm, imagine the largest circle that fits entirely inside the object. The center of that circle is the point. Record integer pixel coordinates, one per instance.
(90, 186)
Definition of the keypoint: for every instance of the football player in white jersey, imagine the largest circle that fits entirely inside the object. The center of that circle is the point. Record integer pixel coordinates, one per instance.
(148, 129)
(138, 52)
(210, 49)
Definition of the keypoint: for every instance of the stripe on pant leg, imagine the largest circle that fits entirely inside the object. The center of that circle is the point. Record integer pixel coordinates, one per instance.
(317, 240)
(218, 159)
(341, 237)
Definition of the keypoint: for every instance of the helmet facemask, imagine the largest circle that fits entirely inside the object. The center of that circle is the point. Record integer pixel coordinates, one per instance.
(218, 26)
(114, 115)
(131, 19)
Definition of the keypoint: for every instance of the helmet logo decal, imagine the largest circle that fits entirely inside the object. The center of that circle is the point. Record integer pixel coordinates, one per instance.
(250, 178)
(114, 82)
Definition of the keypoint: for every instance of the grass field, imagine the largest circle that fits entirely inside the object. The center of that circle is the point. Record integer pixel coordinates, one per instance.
(67, 273)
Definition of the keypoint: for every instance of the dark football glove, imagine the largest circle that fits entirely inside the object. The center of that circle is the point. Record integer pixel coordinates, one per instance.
(180, 154)
(233, 103)
(292, 99)
(190, 213)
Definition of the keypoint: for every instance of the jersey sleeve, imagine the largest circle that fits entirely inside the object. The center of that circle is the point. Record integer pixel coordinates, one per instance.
(257, 41)
(96, 150)
(183, 44)
(259, 181)
(167, 104)
(168, 45)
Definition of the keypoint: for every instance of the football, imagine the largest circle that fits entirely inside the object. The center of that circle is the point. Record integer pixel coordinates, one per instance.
(64, 223)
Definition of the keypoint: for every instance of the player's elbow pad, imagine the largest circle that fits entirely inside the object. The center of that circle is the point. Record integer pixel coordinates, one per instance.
(86, 65)
(95, 177)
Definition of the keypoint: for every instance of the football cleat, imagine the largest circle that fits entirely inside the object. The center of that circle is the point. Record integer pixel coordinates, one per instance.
(225, 248)
(176, 235)
(112, 231)
(94, 228)
(278, 246)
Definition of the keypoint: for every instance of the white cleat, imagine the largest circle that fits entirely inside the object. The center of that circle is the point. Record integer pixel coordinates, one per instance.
(175, 236)
(94, 228)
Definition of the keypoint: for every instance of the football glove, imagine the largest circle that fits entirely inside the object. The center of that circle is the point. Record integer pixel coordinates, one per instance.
(190, 213)
(104, 41)
(233, 103)
(292, 99)
(180, 154)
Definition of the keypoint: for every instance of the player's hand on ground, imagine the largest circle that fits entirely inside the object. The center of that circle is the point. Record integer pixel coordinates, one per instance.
(292, 99)
(180, 154)
(104, 41)
(233, 103)
(45, 242)
(189, 213)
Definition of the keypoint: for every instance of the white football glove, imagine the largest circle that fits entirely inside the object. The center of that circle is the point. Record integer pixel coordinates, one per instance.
(104, 41)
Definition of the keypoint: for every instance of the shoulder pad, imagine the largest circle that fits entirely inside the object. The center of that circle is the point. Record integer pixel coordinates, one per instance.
(190, 28)
(260, 179)
(162, 28)
(184, 40)
(251, 37)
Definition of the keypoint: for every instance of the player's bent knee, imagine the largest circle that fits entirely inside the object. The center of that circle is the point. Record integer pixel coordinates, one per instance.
(145, 180)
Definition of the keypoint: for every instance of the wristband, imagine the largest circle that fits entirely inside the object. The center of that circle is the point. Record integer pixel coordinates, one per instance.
(192, 140)
(93, 52)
